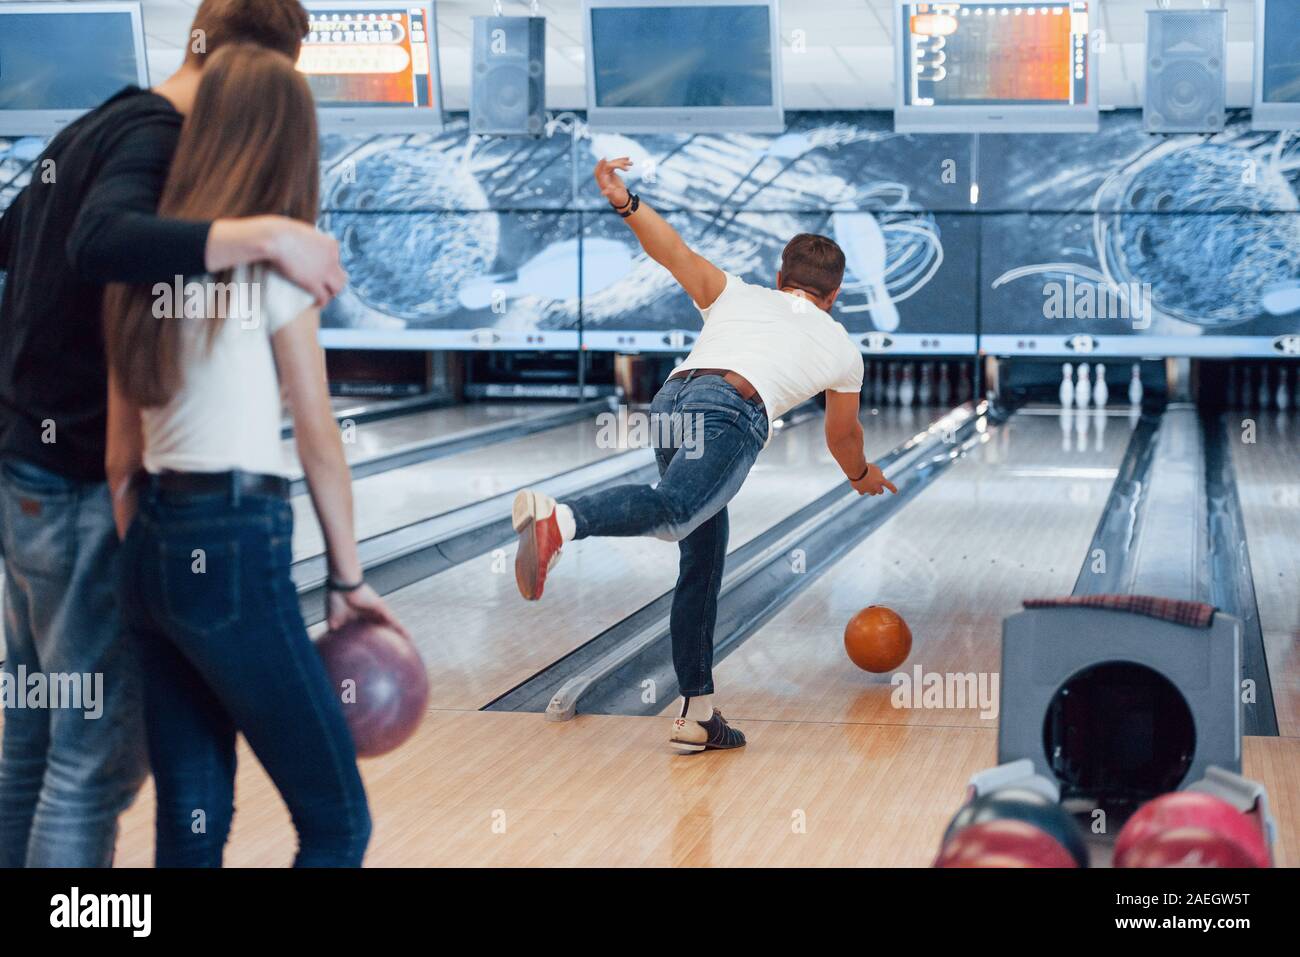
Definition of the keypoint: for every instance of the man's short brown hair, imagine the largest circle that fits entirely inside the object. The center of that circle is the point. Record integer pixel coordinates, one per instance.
(278, 25)
(812, 263)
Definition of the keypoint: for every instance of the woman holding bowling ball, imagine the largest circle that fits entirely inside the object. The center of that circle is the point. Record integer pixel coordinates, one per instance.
(196, 374)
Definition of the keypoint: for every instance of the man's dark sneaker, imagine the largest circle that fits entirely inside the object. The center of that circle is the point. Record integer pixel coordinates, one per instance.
(712, 735)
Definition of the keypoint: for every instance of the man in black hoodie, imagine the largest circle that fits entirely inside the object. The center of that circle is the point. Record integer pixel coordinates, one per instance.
(73, 756)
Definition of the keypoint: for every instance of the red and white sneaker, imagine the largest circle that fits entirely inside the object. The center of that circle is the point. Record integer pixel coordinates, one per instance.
(533, 517)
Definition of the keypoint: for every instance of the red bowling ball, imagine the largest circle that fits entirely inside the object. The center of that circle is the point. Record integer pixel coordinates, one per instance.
(1197, 810)
(1004, 843)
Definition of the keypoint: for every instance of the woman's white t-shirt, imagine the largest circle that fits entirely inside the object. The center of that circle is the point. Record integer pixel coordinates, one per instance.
(226, 413)
(786, 347)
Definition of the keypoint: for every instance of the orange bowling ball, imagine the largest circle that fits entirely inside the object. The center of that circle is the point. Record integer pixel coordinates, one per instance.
(877, 639)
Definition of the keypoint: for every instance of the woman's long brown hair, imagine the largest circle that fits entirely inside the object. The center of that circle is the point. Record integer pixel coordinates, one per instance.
(248, 148)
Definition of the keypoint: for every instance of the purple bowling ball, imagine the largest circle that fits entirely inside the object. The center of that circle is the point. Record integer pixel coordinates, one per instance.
(380, 681)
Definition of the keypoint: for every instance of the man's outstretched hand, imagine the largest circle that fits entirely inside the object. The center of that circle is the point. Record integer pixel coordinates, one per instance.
(874, 482)
(610, 183)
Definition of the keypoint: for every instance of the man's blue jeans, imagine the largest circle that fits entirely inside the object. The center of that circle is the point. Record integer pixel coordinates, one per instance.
(706, 440)
(66, 772)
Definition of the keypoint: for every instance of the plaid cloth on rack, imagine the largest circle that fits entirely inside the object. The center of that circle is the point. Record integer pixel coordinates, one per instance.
(1194, 614)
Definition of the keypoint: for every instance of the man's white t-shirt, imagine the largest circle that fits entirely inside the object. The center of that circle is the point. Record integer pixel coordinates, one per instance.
(226, 413)
(786, 347)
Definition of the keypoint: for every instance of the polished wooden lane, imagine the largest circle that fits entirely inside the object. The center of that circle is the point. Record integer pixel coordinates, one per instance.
(479, 639)
(1268, 485)
(364, 439)
(389, 500)
(1011, 521)
(509, 789)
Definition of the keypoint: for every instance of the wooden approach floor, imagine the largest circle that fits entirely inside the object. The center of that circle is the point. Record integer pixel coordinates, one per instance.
(477, 788)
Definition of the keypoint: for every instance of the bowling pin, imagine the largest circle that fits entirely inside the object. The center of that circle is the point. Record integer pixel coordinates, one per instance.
(1264, 397)
(1083, 387)
(1081, 422)
(1283, 390)
(906, 390)
(1066, 419)
(925, 391)
(1100, 391)
(1135, 386)
(945, 387)
(891, 388)
(1067, 385)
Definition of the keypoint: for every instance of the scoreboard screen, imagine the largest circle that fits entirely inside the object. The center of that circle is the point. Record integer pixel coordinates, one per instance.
(372, 57)
(996, 53)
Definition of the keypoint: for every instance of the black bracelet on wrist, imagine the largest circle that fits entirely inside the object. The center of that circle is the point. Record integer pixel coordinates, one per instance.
(863, 475)
(619, 209)
(633, 204)
(334, 584)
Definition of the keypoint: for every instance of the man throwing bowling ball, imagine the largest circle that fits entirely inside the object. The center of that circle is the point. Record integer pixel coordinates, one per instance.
(762, 352)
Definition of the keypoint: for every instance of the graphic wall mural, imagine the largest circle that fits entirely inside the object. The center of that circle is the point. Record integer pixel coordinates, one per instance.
(1120, 242)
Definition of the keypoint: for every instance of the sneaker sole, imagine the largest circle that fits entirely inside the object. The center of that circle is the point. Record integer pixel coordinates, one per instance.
(521, 517)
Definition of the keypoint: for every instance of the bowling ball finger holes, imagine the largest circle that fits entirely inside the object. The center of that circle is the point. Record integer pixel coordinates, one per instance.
(1118, 734)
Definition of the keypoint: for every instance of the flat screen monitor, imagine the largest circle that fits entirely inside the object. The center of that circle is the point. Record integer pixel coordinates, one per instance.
(972, 67)
(59, 60)
(664, 66)
(373, 66)
(1277, 65)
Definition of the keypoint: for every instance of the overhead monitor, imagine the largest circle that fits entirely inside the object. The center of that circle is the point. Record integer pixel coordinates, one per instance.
(59, 60)
(664, 66)
(373, 66)
(1277, 65)
(973, 67)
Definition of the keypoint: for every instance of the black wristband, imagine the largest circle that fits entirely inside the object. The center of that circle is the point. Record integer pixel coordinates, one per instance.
(336, 585)
(619, 209)
(863, 475)
(633, 205)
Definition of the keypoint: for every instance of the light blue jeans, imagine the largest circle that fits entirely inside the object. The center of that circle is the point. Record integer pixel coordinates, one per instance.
(66, 771)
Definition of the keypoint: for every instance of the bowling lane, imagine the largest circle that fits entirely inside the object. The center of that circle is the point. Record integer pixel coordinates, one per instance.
(479, 639)
(365, 439)
(1269, 491)
(388, 500)
(1012, 520)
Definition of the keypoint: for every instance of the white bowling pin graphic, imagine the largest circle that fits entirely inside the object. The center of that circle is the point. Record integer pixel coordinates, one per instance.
(891, 387)
(1082, 388)
(1283, 391)
(860, 236)
(1264, 396)
(945, 387)
(1067, 385)
(925, 391)
(1100, 391)
(906, 390)
(1135, 386)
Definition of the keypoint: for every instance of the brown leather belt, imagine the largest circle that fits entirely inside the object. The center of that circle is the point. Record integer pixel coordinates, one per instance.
(733, 379)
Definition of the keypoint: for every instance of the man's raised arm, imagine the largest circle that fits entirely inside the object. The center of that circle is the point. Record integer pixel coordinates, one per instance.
(702, 280)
